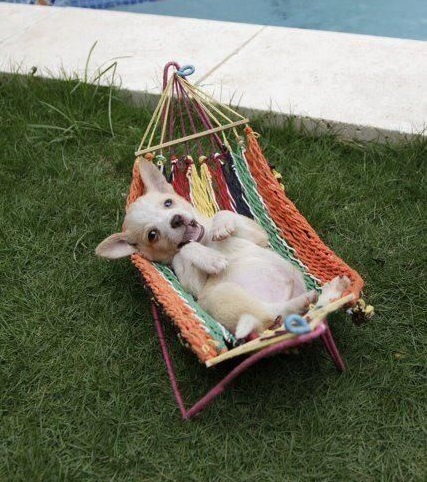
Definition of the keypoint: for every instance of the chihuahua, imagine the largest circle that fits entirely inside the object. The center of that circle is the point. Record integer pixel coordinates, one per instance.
(224, 262)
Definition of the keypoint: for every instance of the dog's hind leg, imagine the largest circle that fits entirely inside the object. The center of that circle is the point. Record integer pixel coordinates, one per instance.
(236, 309)
(333, 290)
(246, 325)
(247, 322)
(298, 305)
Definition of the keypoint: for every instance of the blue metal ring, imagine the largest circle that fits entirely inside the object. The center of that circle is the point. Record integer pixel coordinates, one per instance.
(297, 325)
(186, 70)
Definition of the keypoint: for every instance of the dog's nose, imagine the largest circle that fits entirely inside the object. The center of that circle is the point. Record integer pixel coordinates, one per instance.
(177, 221)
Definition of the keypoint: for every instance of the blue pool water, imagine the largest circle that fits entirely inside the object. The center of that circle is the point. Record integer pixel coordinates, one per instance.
(387, 18)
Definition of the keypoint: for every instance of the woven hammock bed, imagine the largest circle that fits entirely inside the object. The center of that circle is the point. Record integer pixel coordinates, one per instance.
(211, 156)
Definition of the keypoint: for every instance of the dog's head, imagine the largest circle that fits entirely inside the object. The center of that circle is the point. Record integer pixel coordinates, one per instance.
(157, 224)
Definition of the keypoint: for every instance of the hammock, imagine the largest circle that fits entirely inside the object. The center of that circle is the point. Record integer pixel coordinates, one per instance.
(212, 157)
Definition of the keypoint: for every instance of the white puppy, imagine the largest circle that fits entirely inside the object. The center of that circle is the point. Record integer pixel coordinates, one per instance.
(224, 261)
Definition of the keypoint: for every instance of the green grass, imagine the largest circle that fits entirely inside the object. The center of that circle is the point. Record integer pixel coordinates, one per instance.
(84, 392)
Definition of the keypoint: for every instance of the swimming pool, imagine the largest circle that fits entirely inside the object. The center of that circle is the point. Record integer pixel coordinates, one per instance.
(387, 18)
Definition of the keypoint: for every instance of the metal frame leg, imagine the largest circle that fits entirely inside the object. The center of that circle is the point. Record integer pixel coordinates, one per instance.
(329, 343)
(321, 331)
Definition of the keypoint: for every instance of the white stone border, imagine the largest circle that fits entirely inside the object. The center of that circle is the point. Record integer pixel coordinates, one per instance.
(361, 86)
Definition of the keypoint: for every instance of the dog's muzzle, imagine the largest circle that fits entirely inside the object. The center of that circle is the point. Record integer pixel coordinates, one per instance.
(177, 221)
(193, 232)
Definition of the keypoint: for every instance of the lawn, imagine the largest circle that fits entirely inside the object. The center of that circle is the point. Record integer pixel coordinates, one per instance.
(84, 391)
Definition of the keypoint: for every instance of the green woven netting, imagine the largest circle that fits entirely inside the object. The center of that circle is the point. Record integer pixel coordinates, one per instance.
(261, 214)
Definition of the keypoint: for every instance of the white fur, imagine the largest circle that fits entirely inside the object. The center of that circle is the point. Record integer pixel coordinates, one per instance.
(231, 271)
(246, 325)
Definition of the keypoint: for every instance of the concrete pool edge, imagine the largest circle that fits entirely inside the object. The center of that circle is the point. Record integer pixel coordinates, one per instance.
(362, 87)
(345, 131)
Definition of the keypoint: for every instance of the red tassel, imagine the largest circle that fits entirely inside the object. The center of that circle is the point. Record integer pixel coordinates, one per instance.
(223, 196)
(179, 177)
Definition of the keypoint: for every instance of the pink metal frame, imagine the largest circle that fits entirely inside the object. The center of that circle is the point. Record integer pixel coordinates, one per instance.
(323, 331)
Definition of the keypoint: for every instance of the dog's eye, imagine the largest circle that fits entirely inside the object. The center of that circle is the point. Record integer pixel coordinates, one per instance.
(153, 235)
(168, 203)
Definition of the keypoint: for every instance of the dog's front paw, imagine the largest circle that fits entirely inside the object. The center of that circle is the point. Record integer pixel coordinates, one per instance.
(215, 263)
(222, 228)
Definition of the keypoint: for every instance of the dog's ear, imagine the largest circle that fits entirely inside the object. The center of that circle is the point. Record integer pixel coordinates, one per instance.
(153, 179)
(114, 247)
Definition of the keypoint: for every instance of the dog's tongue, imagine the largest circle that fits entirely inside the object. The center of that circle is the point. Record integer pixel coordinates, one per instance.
(193, 232)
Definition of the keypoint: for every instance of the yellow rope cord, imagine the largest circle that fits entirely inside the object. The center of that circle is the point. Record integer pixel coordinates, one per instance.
(207, 102)
(156, 115)
(199, 192)
(197, 135)
(166, 115)
(209, 98)
(165, 97)
(206, 178)
(278, 176)
(210, 102)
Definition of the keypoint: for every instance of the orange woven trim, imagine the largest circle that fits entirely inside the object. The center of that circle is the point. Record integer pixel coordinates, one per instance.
(181, 314)
(202, 344)
(321, 261)
(136, 187)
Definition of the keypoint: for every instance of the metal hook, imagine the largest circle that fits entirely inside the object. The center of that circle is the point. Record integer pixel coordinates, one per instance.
(297, 325)
(186, 70)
